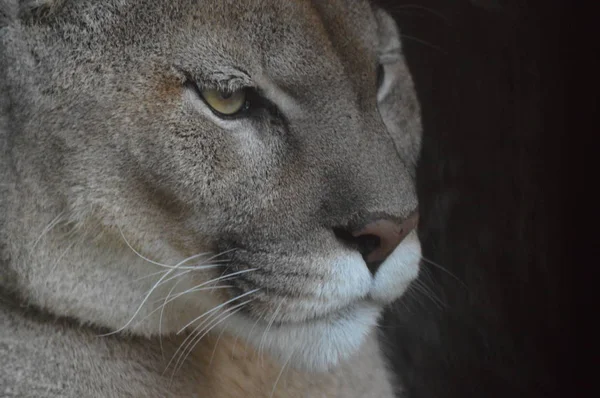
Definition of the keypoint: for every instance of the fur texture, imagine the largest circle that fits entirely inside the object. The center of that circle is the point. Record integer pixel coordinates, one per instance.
(132, 210)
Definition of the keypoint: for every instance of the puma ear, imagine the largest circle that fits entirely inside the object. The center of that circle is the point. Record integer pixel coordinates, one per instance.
(389, 34)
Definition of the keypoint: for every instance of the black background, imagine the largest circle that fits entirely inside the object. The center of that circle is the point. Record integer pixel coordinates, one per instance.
(490, 318)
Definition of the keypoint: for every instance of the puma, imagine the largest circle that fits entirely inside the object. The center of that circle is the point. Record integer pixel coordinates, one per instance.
(207, 198)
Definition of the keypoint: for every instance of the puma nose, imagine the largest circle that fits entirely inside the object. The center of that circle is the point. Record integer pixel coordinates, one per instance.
(378, 239)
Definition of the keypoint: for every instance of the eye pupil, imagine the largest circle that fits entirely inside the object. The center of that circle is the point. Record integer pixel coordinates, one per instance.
(225, 94)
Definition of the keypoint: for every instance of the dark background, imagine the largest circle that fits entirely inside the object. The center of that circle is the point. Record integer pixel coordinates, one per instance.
(489, 315)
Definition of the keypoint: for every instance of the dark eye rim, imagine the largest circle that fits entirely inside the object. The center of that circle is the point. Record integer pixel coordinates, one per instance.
(380, 75)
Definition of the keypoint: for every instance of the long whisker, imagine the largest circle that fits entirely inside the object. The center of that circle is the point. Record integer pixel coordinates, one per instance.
(225, 270)
(185, 343)
(419, 286)
(218, 279)
(159, 282)
(149, 275)
(172, 277)
(419, 7)
(55, 221)
(197, 288)
(438, 266)
(260, 345)
(140, 255)
(415, 39)
(258, 319)
(215, 348)
(64, 253)
(160, 319)
(287, 361)
(188, 269)
(221, 254)
(199, 338)
(201, 333)
(141, 305)
(204, 331)
(205, 321)
(217, 307)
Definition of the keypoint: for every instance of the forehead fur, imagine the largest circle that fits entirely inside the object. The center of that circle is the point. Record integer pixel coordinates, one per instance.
(198, 33)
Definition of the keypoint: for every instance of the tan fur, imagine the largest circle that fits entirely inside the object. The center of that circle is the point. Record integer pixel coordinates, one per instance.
(237, 370)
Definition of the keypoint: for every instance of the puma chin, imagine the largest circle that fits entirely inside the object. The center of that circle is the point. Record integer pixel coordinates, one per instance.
(193, 167)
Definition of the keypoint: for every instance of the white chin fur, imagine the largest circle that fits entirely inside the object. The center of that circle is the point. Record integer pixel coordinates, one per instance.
(313, 346)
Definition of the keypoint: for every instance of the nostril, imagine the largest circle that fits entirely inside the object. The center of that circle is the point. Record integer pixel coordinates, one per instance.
(365, 244)
(376, 240)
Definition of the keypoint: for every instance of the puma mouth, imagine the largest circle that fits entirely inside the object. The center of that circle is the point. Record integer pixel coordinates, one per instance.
(318, 317)
(325, 289)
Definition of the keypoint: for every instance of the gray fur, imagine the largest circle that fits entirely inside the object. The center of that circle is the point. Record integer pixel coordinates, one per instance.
(103, 147)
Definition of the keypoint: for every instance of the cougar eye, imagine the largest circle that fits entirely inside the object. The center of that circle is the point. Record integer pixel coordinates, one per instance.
(224, 102)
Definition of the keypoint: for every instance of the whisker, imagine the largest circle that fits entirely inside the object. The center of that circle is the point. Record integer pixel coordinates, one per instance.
(198, 339)
(159, 284)
(260, 345)
(418, 285)
(179, 265)
(185, 343)
(258, 319)
(206, 329)
(149, 275)
(200, 333)
(419, 7)
(218, 279)
(281, 372)
(140, 306)
(217, 307)
(221, 254)
(415, 39)
(172, 277)
(55, 221)
(215, 349)
(225, 270)
(179, 295)
(62, 254)
(160, 319)
(438, 266)
(160, 281)
(140, 255)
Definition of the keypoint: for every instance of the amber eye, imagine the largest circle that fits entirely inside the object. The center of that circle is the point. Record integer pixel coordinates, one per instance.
(225, 103)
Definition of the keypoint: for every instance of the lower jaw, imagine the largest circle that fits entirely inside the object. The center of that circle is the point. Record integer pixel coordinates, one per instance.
(316, 345)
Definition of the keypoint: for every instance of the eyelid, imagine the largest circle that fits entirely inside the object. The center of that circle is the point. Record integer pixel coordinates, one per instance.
(215, 80)
(225, 85)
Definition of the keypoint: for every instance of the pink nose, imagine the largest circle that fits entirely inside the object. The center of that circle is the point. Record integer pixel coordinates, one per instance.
(383, 236)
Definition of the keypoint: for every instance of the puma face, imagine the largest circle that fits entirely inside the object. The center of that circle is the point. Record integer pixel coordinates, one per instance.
(208, 166)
